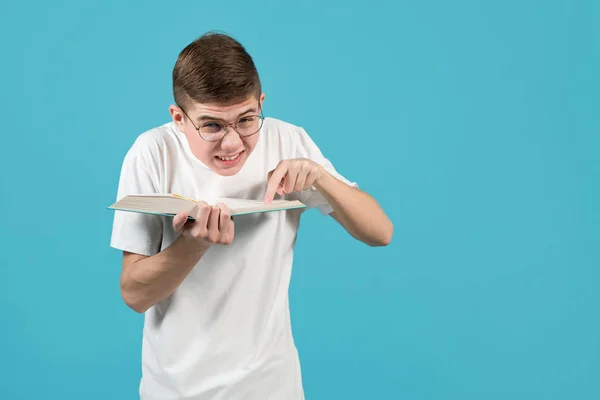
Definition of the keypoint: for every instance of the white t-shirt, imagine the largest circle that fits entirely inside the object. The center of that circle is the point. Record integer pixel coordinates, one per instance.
(225, 333)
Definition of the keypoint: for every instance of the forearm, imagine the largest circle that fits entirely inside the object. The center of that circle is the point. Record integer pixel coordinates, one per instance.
(152, 279)
(356, 211)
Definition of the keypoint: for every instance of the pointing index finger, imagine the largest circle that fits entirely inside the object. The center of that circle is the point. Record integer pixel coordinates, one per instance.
(274, 181)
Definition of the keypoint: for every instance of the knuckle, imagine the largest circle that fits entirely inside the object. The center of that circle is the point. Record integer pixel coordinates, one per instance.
(200, 233)
(226, 239)
(223, 207)
(203, 210)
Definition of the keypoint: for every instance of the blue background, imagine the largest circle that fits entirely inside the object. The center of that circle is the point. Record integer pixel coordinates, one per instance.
(475, 124)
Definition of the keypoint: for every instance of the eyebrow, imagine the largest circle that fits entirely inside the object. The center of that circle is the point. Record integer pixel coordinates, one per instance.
(213, 118)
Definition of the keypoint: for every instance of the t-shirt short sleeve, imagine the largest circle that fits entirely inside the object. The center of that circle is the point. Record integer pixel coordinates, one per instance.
(135, 232)
(307, 148)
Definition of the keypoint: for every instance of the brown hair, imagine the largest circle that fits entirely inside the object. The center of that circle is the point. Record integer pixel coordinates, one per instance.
(214, 68)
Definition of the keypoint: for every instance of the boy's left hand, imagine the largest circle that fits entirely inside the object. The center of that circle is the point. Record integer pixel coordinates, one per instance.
(292, 176)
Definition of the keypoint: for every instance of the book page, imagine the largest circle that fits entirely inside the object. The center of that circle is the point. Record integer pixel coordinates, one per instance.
(244, 206)
(244, 203)
(240, 203)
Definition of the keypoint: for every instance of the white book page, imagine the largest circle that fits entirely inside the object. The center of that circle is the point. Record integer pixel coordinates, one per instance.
(239, 203)
(245, 203)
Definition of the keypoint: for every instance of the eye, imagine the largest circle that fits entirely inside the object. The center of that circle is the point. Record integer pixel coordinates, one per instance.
(211, 127)
(247, 120)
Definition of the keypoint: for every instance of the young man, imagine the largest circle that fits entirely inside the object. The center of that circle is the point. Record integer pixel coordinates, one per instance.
(215, 291)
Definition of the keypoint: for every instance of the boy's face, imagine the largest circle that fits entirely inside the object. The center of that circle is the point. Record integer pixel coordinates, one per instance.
(226, 156)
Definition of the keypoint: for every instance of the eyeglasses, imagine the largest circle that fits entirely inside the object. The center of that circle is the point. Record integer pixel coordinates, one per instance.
(213, 131)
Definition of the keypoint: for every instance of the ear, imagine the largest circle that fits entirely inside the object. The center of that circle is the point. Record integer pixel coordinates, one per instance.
(177, 115)
(261, 100)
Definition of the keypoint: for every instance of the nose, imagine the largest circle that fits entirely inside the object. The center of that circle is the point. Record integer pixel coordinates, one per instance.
(231, 141)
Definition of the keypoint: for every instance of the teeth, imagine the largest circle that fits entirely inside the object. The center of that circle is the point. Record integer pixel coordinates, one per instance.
(229, 158)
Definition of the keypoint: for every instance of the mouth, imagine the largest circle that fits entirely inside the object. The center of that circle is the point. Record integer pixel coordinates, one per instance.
(230, 160)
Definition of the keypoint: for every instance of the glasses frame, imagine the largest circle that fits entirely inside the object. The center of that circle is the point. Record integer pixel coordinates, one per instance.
(228, 124)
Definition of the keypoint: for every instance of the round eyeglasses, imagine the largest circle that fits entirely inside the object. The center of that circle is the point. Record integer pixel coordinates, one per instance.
(213, 131)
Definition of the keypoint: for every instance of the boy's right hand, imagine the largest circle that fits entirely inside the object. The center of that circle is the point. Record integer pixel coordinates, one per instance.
(212, 225)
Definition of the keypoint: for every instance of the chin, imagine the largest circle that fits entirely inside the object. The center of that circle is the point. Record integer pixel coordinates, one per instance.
(227, 171)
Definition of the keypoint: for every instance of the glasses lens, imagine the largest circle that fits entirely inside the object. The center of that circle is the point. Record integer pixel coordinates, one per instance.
(249, 125)
(212, 131)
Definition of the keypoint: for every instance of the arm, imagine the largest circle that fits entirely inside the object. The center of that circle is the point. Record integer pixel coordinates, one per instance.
(354, 209)
(359, 214)
(146, 281)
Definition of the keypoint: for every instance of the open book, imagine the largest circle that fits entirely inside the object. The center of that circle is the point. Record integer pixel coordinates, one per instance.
(172, 204)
